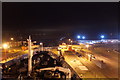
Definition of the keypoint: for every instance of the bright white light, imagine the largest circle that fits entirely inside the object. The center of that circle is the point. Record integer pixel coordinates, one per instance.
(87, 46)
(78, 37)
(102, 36)
(91, 43)
(5, 46)
(41, 43)
(12, 39)
(83, 37)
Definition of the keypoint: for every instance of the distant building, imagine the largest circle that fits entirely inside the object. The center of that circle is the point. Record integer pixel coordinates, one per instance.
(14, 43)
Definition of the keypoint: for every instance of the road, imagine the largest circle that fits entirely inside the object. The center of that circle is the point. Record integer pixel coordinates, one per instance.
(109, 57)
(9, 56)
(75, 63)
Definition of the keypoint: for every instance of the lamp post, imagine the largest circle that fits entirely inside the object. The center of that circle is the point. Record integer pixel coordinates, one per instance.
(78, 37)
(11, 42)
(69, 39)
(5, 47)
(71, 42)
(102, 36)
(41, 44)
(87, 46)
(11, 39)
(83, 37)
(89, 55)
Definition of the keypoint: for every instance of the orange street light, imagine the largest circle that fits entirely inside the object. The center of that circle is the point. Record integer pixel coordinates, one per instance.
(5, 46)
(12, 39)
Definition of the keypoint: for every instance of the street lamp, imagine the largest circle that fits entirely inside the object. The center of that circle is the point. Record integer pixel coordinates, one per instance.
(69, 39)
(102, 36)
(5, 46)
(87, 46)
(12, 39)
(83, 37)
(78, 37)
(71, 42)
(41, 45)
(89, 55)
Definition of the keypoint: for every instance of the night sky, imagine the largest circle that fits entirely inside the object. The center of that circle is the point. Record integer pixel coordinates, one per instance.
(89, 19)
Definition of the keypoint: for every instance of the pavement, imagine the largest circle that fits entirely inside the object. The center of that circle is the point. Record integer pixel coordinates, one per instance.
(110, 59)
(92, 72)
(75, 63)
(13, 55)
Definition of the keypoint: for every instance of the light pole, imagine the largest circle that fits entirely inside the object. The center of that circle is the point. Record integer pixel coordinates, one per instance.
(102, 36)
(11, 39)
(87, 46)
(71, 42)
(78, 37)
(5, 47)
(11, 42)
(83, 37)
(41, 44)
(69, 39)
(89, 55)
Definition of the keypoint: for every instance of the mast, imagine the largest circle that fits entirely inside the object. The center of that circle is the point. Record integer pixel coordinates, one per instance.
(29, 56)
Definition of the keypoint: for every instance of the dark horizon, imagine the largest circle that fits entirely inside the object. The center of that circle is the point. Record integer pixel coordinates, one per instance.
(89, 19)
